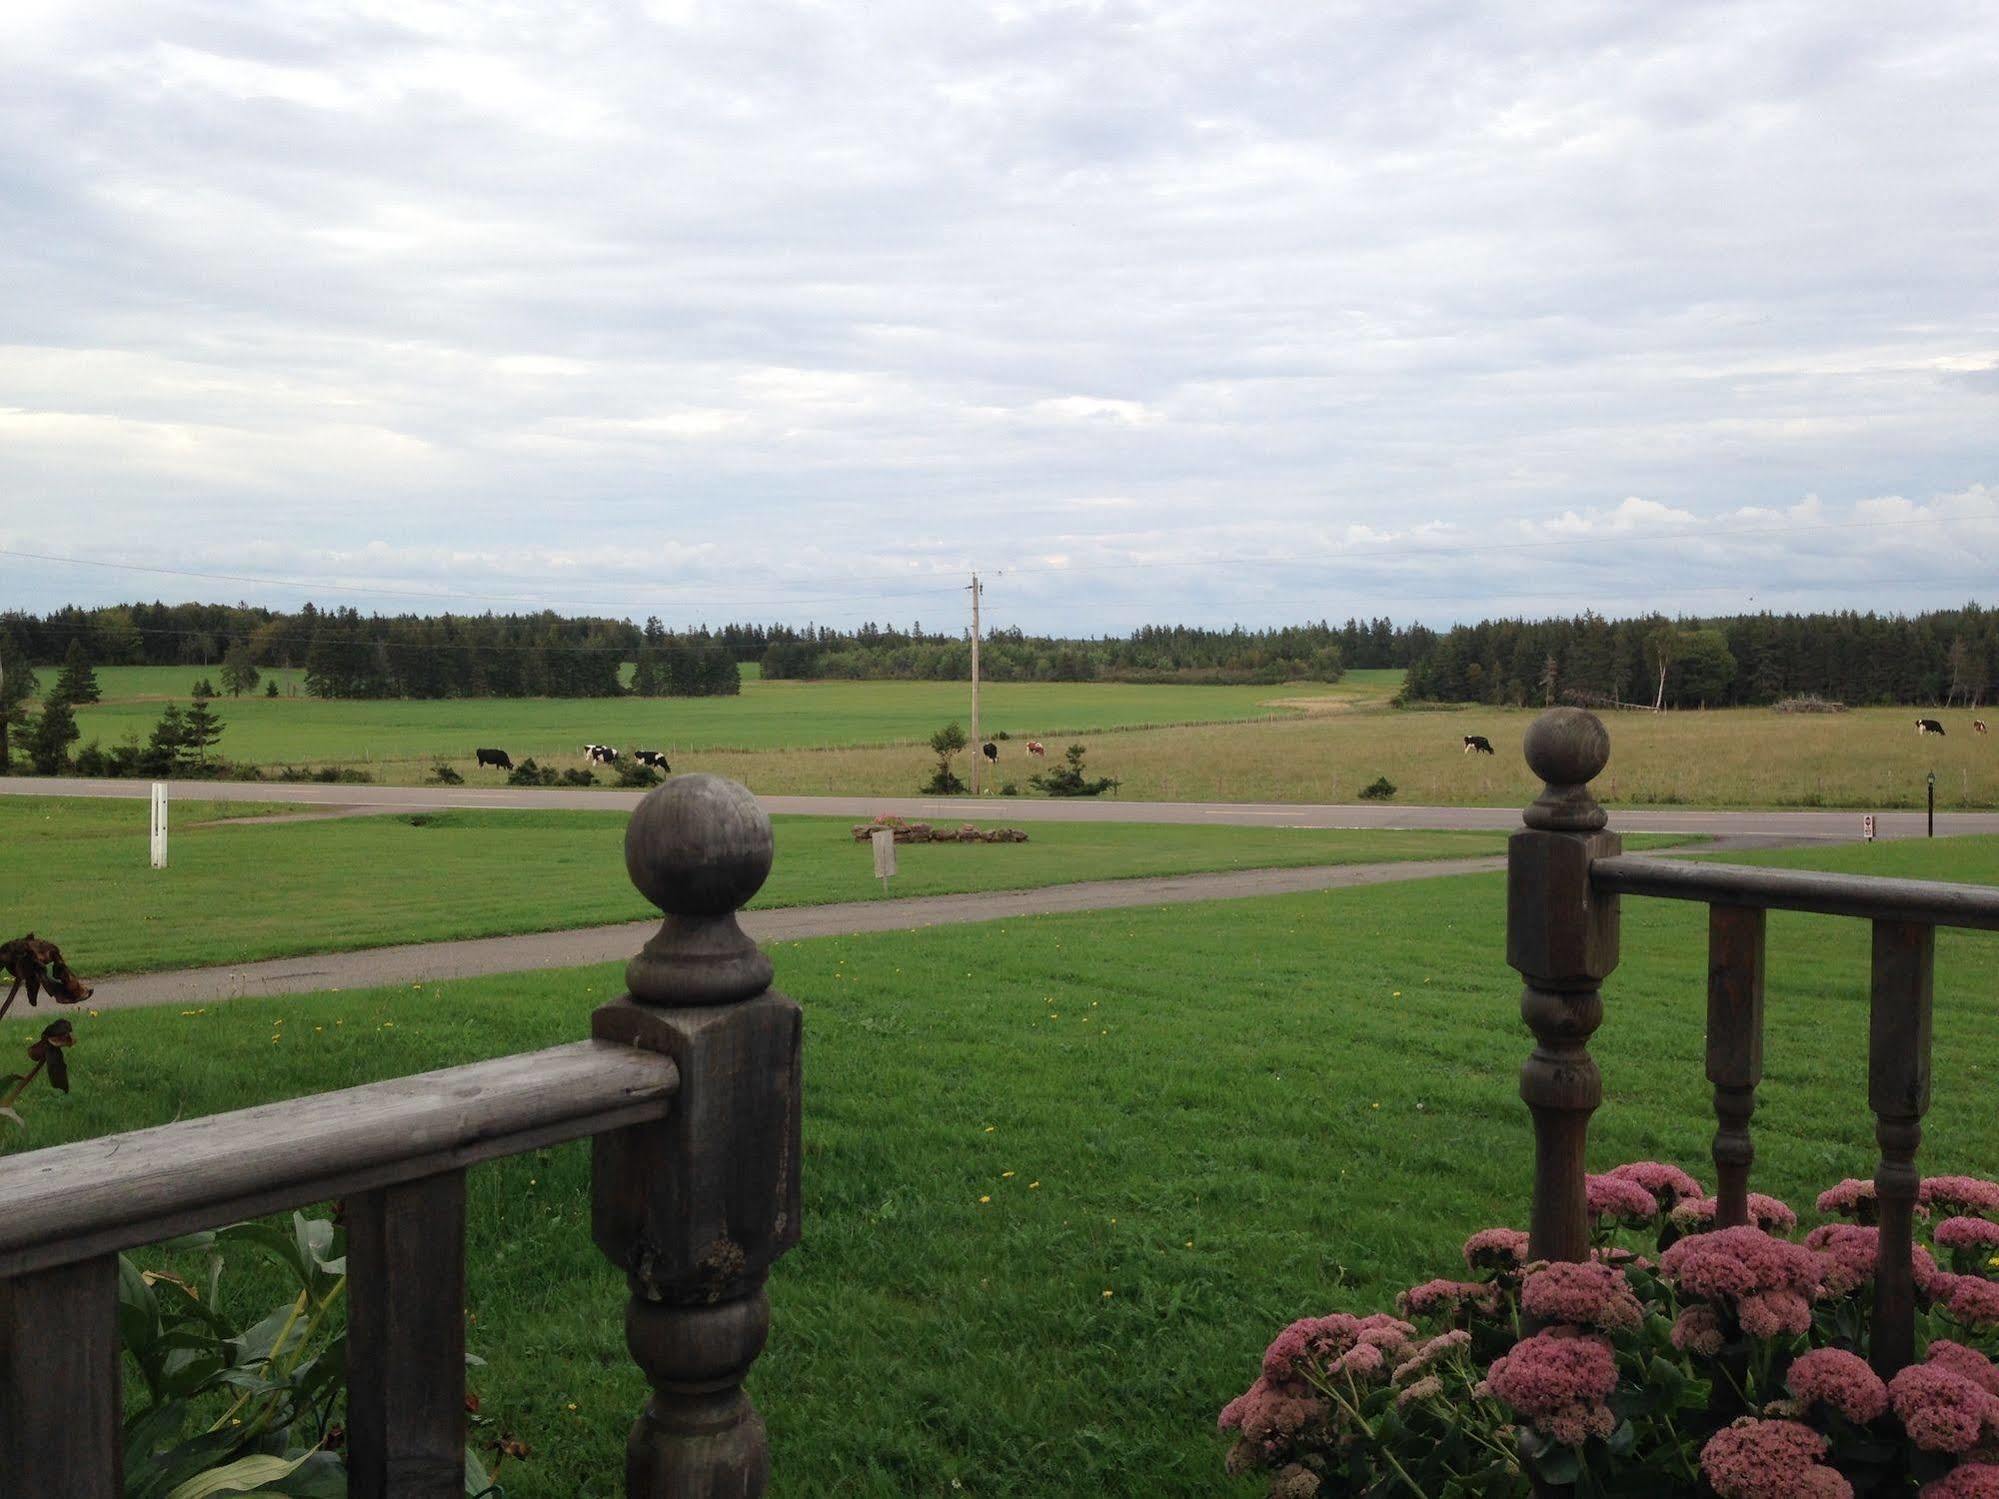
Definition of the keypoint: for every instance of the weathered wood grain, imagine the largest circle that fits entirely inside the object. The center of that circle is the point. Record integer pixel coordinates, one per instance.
(78, 1201)
(1735, 949)
(406, 1340)
(60, 1409)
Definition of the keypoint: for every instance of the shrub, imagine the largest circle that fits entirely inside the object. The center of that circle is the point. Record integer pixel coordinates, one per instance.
(527, 773)
(1068, 779)
(946, 742)
(1730, 1362)
(442, 774)
(1380, 789)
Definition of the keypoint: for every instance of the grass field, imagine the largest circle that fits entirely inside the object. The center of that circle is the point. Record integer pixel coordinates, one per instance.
(1235, 1115)
(401, 739)
(1296, 744)
(77, 873)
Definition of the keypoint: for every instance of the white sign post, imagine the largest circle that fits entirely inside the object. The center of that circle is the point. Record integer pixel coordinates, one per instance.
(159, 824)
(1867, 826)
(884, 842)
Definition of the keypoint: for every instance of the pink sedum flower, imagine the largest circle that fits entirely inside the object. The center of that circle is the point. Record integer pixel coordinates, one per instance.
(1941, 1410)
(1970, 1195)
(1496, 1249)
(1336, 1344)
(1767, 1213)
(1730, 1264)
(1669, 1185)
(1770, 1460)
(1452, 1298)
(1840, 1380)
(1972, 1301)
(1972, 1235)
(1614, 1197)
(1559, 1382)
(1847, 1254)
(1965, 1481)
(1853, 1198)
(1967, 1362)
(1581, 1295)
(1698, 1330)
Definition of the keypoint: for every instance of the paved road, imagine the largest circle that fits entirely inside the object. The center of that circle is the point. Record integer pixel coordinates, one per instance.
(360, 800)
(433, 961)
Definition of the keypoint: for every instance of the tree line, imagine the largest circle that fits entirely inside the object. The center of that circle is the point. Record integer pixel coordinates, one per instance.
(1941, 658)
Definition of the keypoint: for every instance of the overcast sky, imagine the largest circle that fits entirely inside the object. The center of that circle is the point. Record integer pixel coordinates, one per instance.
(1181, 311)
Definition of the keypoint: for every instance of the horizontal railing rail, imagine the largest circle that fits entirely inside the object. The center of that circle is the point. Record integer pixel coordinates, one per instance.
(72, 1202)
(1870, 897)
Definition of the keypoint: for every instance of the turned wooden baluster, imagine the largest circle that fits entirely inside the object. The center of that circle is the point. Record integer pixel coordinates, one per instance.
(1562, 937)
(696, 1207)
(1734, 1049)
(1898, 1091)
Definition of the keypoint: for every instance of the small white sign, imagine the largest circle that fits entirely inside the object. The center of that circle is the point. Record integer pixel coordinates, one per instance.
(159, 824)
(1867, 826)
(884, 842)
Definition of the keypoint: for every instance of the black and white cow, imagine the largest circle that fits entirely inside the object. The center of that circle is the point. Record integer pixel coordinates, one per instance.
(496, 758)
(1928, 726)
(653, 758)
(1478, 742)
(600, 754)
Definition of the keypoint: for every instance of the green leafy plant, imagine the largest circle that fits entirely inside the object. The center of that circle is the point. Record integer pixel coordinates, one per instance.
(945, 743)
(1068, 779)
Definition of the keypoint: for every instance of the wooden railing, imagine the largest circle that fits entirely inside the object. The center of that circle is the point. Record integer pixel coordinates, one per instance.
(690, 1090)
(1565, 875)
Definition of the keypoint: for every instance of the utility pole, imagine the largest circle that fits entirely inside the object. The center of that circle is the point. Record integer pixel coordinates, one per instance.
(978, 744)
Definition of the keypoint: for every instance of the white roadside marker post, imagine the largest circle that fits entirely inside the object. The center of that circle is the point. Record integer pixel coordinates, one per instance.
(158, 824)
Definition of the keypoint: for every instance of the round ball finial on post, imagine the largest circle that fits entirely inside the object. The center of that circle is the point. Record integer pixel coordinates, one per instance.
(698, 847)
(1567, 748)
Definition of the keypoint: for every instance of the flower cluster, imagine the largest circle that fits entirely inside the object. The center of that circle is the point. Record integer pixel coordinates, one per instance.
(1770, 1460)
(1559, 1381)
(1766, 1283)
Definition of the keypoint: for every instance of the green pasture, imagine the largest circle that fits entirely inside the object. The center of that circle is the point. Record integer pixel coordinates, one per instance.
(300, 730)
(78, 873)
(1223, 1116)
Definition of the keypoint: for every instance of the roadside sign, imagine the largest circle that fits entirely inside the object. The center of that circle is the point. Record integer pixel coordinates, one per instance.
(159, 824)
(884, 842)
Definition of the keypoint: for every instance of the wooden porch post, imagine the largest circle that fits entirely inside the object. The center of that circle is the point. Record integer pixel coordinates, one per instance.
(694, 1208)
(1562, 938)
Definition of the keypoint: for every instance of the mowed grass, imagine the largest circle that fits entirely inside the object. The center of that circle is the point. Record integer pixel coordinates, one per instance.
(77, 872)
(401, 739)
(1224, 1116)
(1868, 760)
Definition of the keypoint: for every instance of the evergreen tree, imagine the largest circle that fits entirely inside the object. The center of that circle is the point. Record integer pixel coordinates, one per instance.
(18, 683)
(49, 740)
(78, 683)
(203, 728)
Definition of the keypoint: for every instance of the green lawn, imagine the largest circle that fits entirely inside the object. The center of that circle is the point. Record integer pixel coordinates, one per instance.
(302, 730)
(1236, 1114)
(77, 873)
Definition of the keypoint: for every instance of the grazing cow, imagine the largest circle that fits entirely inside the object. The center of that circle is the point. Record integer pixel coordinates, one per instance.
(498, 759)
(1478, 742)
(1928, 726)
(600, 754)
(39, 965)
(653, 758)
(1036, 747)
(1978, 726)
(991, 751)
